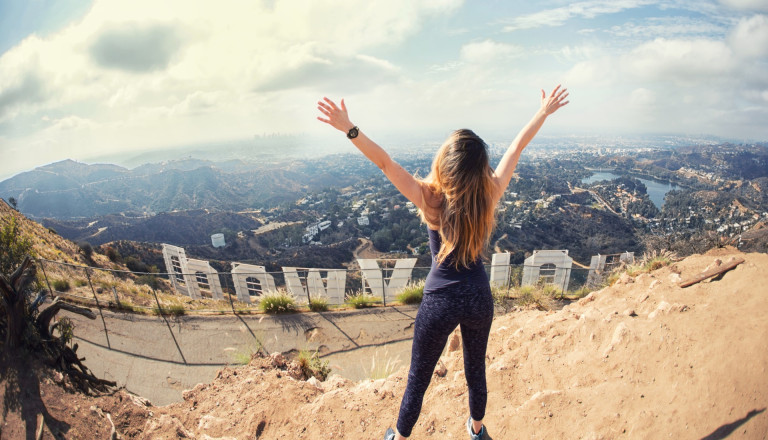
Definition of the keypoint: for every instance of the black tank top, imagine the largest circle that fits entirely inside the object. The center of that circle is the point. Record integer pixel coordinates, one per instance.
(445, 274)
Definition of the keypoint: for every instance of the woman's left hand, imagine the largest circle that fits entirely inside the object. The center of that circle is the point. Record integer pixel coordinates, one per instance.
(337, 117)
(556, 99)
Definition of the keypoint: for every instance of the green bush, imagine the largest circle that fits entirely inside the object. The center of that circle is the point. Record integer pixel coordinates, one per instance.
(362, 300)
(318, 304)
(657, 260)
(149, 280)
(412, 293)
(135, 265)
(581, 292)
(277, 302)
(60, 285)
(536, 297)
(66, 329)
(86, 249)
(500, 295)
(13, 247)
(81, 283)
(113, 255)
(312, 366)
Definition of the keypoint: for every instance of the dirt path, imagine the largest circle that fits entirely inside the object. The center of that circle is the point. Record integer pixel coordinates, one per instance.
(367, 250)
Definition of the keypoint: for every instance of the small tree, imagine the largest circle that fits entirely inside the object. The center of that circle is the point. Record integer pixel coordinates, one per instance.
(13, 246)
(12, 201)
(87, 251)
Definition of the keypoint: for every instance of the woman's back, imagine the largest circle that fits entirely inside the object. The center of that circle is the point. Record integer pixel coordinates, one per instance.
(446, 274)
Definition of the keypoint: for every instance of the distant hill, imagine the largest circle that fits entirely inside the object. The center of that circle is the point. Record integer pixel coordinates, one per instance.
(193, 227)
(71, 190)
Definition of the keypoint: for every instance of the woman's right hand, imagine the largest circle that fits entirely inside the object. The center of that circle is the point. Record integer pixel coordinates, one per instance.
(551, 103)
(337, 117)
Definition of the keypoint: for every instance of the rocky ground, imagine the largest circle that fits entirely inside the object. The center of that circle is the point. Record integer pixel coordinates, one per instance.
(641, 359)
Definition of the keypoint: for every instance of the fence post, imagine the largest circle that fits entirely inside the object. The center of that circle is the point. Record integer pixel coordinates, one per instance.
(98, 305)
(509, 281)
(229, 295)
(565, 280)
(160, 311)
(117, 299)
(42, 266)
(383, 288)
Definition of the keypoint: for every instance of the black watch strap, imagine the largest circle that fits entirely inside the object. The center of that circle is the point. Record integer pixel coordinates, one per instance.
(353, 132)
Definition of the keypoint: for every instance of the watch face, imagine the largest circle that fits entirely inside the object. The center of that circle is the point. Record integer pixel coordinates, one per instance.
(353, 132)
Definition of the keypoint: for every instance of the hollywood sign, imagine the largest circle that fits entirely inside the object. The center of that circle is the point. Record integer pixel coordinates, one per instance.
(190, 277)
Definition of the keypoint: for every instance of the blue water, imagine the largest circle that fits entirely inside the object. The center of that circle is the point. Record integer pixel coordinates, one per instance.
(656, 189)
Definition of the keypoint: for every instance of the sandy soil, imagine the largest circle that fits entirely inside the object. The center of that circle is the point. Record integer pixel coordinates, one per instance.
(643, 359)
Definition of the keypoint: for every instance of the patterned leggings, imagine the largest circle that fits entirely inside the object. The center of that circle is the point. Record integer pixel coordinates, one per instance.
(467, 305)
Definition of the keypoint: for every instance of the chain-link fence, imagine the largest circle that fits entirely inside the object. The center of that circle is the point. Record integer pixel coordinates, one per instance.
(240, 291)
(146, 318)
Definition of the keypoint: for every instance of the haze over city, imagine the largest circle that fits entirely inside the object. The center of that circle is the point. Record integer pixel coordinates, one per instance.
(88, 79)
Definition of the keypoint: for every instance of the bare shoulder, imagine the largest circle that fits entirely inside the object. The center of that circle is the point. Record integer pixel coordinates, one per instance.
(432, 203)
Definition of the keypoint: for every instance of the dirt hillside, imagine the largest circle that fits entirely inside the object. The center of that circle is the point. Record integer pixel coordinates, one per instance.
(643, 359)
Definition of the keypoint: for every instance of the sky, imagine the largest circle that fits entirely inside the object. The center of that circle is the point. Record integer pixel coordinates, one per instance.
(83, 79)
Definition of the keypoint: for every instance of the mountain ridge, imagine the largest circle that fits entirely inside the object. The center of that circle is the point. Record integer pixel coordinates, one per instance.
(71, 190)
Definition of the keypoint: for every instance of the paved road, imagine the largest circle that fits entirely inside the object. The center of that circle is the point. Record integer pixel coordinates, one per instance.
(159, 357)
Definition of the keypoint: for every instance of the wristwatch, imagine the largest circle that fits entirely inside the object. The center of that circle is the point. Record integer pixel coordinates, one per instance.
(353, 132)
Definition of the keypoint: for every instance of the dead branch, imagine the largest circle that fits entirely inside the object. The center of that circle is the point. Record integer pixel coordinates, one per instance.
(43, 321)
(22, 328)
(23, 275)
(717, 270)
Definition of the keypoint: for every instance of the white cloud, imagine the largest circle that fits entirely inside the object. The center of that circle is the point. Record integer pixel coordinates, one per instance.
(147, 73)
(136, 47)
(642, 97)
(70, 123)
(668, 27)
(585, 9)
(685, 83)
(489, 51)
(681, 61)
(750, 5)
(750, 38)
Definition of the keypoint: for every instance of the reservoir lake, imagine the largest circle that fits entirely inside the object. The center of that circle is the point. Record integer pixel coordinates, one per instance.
(656, 189)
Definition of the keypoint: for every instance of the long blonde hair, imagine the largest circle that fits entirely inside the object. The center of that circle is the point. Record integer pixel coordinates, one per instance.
(462, 179)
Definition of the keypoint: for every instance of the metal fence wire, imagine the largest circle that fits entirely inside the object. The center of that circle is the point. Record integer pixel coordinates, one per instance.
(134, 305)
(241, 290)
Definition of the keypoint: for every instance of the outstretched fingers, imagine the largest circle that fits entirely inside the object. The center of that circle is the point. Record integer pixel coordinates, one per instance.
(330, 103)
(555, 100)
(332, 114)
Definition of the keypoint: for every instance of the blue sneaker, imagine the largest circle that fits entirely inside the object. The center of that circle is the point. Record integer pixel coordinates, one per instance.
(483, 435)
(390, 434)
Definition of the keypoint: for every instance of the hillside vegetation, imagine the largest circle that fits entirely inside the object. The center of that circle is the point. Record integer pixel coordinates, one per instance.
(74, 273)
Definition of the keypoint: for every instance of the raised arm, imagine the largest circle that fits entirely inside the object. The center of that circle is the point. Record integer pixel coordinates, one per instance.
(338, 118)
(508, 163)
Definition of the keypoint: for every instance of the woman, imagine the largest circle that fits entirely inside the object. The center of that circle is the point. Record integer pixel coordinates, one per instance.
(457, 201)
